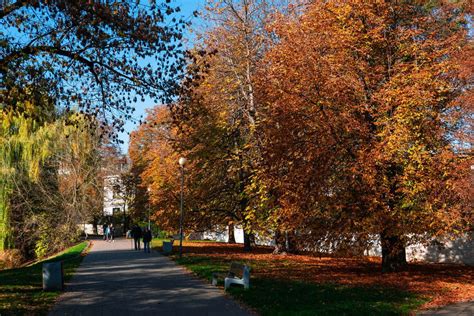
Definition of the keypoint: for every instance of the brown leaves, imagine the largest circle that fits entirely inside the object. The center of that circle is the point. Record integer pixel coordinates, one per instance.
(441, 283)
(358, 117)
(156, 162)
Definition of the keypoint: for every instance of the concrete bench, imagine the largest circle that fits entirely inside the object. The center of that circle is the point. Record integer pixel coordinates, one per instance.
(168, 245)
(53, 276)
(238, 274)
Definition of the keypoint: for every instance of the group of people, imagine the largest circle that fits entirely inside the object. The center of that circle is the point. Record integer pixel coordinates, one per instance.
(145, 235)
(136, 233)
(109, 232)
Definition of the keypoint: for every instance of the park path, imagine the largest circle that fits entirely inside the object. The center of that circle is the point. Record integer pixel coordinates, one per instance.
(459, 309)
(115, 280)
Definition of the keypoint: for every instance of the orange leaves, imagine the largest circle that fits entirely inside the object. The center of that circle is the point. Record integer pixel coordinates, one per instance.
(358, 115)
(442, 284)
(341, 119)
(151, 151)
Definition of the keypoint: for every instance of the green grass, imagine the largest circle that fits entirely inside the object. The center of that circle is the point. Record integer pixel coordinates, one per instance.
(21, 289)
(284, 297)
(158, 242)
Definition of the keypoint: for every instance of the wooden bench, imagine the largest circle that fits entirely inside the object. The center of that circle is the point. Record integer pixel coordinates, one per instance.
(238, 274)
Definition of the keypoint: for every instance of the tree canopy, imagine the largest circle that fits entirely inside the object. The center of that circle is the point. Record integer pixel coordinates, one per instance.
(334, 123)
(95, 56)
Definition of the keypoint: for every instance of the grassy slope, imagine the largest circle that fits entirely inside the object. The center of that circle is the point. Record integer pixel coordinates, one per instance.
(285, 297)
(21, 289)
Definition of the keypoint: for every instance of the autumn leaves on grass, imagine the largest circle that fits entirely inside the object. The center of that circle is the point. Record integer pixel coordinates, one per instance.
(441, 283)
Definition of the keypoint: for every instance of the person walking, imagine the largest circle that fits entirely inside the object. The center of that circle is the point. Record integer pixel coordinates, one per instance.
(104, 230)
(147, 240)
(107, 233)
(112, 233)
(136, 235)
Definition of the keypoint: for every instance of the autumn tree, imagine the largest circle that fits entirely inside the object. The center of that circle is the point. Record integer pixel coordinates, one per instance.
(156, 162)
(362, 110)
(79, 162)
(97, 56)
(218, 112)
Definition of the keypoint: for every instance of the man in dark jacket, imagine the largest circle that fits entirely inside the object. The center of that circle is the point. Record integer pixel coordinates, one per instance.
(147, 240)
(104, 230)
(136, 235)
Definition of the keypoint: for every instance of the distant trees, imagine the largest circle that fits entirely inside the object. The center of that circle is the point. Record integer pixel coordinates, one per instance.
(155, 166)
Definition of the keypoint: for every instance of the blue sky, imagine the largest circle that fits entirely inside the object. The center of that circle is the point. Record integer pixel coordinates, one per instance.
(187, 9)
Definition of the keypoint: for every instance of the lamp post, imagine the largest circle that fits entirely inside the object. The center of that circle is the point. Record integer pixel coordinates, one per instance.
(148, 190)
(181, 162)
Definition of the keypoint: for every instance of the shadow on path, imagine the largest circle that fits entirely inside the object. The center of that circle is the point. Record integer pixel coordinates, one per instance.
(115, 280)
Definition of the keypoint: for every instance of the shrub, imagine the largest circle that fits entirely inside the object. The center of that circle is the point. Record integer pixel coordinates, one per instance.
(11, 258)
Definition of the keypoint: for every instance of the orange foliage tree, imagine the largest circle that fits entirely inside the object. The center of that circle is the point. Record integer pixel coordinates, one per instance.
(218, 114)
(361, 121)
(154, 163)
(154, 151)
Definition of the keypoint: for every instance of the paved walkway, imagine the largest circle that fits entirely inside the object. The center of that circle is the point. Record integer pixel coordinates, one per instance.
(460, 309)
(115, 280)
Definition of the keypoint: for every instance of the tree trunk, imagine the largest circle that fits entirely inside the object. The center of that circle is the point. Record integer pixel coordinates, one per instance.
(290, 241)
(393, 252)
(252, 240)
(285, 242)
(231, 233)
(247, 242)
(280, 243)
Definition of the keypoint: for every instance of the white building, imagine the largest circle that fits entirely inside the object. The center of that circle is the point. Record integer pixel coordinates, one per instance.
(114, 199)
(115, 207)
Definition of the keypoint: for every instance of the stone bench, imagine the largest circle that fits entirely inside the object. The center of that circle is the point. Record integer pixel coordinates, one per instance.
(168, 245)
(238, 274)
(53, 276)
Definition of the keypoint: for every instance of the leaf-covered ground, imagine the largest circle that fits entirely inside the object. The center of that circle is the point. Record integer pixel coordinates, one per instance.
(421, 285)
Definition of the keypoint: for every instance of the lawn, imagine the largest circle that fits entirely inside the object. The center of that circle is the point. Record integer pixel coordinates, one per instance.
(21, 289)
(307, 285)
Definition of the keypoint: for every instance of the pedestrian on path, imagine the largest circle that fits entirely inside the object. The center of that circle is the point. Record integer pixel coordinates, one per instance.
(107, 233)
(147, 240)
(112, 233)
(137, 235)
(104, 230)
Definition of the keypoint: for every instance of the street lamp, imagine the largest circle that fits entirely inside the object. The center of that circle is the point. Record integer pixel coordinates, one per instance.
(149, 206)
(181, 162)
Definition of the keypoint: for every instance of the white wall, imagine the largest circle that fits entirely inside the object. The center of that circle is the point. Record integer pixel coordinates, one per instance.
(442, 250)
(221, 234)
